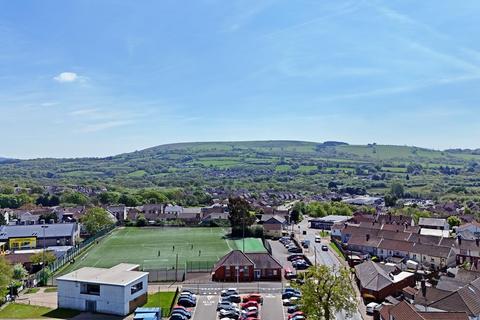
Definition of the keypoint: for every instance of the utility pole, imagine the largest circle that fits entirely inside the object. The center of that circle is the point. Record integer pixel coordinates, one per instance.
(243, 233)
(176, 269)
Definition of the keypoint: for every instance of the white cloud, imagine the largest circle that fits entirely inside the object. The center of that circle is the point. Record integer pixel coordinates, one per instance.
(67, 77)
(104, 125)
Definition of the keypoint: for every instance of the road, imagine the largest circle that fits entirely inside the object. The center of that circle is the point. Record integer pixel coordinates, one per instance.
(323, 257)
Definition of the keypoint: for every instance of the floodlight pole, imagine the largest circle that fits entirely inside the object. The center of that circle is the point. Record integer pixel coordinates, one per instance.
(44, 249)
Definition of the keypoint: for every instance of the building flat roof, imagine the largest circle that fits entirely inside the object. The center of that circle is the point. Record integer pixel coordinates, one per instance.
(119, 275)
(332, 218)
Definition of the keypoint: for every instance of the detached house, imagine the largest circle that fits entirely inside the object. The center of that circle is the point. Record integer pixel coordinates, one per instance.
(273, 226)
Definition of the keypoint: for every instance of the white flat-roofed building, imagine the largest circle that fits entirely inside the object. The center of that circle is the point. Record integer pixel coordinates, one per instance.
(117, 290)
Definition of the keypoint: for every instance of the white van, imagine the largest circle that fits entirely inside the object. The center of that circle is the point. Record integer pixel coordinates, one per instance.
(318, 239)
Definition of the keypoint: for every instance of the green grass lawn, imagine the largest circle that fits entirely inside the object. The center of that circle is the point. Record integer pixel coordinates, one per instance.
(52, 289)
(334, 248)
(251, 245)
(155, 248)
(32, 290)
(162, 300)
(24, 311)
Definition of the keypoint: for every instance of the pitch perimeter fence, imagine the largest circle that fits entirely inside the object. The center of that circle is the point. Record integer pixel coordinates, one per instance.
(68, 257)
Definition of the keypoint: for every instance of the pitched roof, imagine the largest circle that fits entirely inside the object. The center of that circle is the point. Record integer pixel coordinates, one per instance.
(264, 261)
(465, 299)
(234, 258)
(373, 276)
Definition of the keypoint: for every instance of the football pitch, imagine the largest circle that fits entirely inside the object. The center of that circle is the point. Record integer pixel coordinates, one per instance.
(157, 248)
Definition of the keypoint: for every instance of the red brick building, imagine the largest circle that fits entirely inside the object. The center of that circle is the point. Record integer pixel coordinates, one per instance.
(237, 266)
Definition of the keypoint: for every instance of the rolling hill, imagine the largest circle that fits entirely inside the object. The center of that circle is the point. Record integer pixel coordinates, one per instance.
(297, 165)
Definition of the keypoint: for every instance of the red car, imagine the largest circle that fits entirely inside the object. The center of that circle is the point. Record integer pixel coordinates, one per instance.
(298, 313)
(248, 304)
(253, 297)
(182, 307)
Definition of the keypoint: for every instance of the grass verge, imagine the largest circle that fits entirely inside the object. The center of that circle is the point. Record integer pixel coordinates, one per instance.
(24, 311)
(162, 300)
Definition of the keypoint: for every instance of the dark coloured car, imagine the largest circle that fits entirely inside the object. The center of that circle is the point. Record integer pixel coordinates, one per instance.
(293, 257)
(290, 294)
(295, 250)
(324, 248)
(185, 302)
(181, 311)
(178, 317)
(293, 309)
(234, 298)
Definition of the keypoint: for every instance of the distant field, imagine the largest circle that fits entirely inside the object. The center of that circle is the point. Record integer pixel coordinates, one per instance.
(158, 247)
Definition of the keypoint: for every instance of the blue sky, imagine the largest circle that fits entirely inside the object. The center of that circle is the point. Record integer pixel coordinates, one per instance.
(96, 78)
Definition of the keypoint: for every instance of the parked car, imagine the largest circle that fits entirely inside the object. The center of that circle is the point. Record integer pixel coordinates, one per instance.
(296, 313)
(306, 244)
(178, 317)
(293, 257)
(250, 303)
(182, 311)
(186, 302)
(234, 314)
(290, 294)
(293, 309)
(234, 298)
(300, 265)
(225, 305)
(290, 302)
(372, 306)
(229, 292)
(253, 297)
(295, 250)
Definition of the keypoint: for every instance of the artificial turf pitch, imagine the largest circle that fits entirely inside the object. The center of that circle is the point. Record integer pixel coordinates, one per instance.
(157, 248)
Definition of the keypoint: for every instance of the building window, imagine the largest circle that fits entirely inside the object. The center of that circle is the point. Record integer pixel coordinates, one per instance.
(227, 272)
(136, 287)
(91, 289)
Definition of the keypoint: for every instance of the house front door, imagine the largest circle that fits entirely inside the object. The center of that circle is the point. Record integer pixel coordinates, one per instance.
(258, 274)
(90, 306)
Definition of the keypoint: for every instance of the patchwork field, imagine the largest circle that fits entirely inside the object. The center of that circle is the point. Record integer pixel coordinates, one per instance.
(157, 248)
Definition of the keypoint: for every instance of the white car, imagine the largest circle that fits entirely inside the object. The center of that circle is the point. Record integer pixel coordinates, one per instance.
(229, 291)
(372, 306)
(318, 239)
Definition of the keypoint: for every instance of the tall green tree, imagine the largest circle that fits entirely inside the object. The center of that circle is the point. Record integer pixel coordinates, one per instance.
(6, 276)
(40, 257)
(240, 214)
(397, 190)
(109, 197)
(74, 198)
(454, 221)
(19, 272)
(327, 291)
(97, 219)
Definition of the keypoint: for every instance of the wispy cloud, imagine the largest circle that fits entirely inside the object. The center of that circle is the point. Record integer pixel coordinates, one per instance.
(104, 126)
(84, 112)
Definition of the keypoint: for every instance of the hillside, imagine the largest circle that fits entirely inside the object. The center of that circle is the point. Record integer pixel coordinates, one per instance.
(257, 165)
